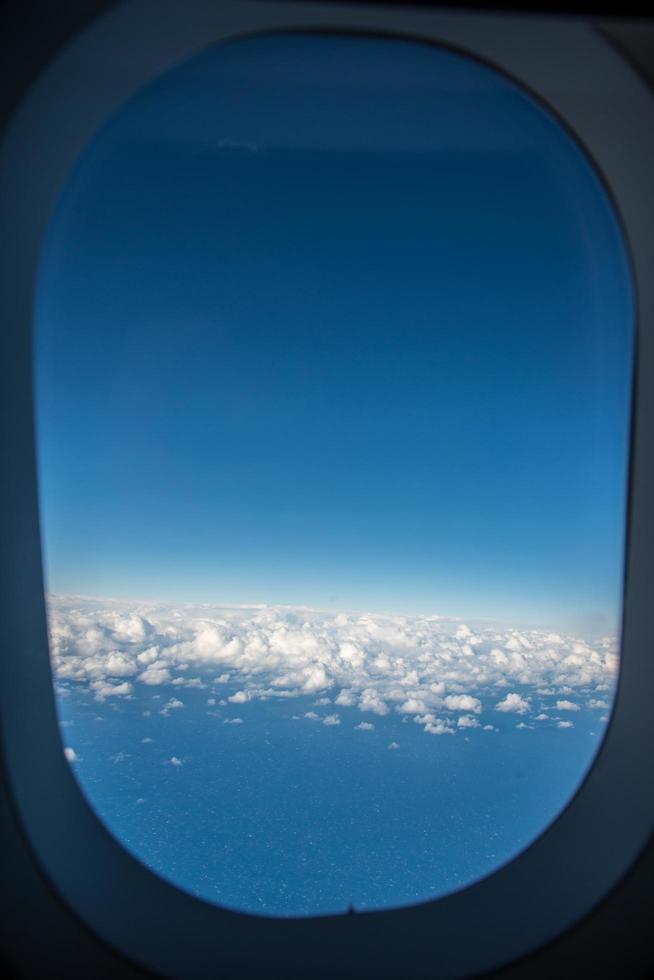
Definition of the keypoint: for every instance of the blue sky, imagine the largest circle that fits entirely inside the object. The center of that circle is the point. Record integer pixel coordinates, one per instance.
(340, 322)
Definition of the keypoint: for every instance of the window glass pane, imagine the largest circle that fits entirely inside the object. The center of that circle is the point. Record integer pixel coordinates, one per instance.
(333, 359)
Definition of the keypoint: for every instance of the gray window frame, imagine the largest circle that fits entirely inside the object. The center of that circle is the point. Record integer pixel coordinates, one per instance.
(568, 65)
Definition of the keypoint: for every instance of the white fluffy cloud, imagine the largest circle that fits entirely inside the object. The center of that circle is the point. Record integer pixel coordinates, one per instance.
(70, 754)
(513, 702)
(154, 675)
(102, 690)
(172, 705)
(412, 706)
(443, 673)
(462, 702)
(439, 727)
(370, 701)
(435, 726)
(467, 721)
(566, 706)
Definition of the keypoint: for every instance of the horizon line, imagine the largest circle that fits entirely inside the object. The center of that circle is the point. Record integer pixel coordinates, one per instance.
(499, 621)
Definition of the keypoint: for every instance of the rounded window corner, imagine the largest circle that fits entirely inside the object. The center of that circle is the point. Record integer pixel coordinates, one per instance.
(612, 794)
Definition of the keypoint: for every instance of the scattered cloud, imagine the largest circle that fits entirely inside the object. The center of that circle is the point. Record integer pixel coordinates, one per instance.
(172, 705)
(71, 754)
(467, 721)
(412, 706)
(188, 682)
(438, 672)
(331, 720)
(436, 726)
(103, 690)
(370, 701)
(154, 675)
(365, 726)
(566, 706)
(564, 724)
(462, 702)
(513, 702)
(394, 745)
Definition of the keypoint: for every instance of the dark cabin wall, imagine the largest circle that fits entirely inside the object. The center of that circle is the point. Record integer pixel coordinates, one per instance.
(40, 937)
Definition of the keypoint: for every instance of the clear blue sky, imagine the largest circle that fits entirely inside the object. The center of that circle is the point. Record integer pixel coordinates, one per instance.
(338, 322)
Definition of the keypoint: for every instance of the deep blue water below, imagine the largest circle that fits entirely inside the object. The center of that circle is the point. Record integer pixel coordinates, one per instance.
(284, 815)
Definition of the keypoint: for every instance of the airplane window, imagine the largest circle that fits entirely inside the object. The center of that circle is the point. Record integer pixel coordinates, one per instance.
(334, 340)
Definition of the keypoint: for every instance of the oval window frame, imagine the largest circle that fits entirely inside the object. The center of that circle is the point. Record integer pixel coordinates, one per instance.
(591, 844)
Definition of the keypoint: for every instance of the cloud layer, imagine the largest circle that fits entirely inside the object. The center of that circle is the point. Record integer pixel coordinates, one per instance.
(441, 673)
